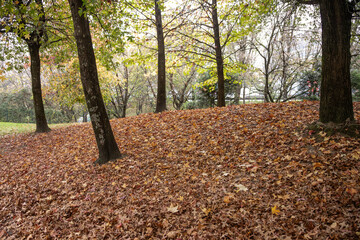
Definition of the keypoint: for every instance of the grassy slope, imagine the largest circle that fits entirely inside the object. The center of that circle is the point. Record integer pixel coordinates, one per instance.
(240, 172)
(15, 128)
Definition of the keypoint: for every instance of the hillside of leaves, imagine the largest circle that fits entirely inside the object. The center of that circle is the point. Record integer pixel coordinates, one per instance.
(239, 172)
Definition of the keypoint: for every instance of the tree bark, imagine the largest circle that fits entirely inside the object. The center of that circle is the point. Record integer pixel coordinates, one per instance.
(126, 92)
(85, 118)
(161, 90)
(244, 88)
(336, 99)
(237, 94)
(108, 149)
(219, 58)
(40, 118)
(267, 94)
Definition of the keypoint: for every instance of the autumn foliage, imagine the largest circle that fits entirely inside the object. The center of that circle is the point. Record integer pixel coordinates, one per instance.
(238, 172)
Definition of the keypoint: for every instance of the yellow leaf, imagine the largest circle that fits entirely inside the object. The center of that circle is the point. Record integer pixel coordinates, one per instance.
(351, 191)
(206, 210)
(113, 183)
(323, 134)
(124, 185)
(27, 36)
(317, 165)
(181, 198)
(2, 75)
(149, 230)
(227, 199)
(173, 209)
(274, 210)
(240, 187)
(49, 198)
(284, 197)
(355, 155)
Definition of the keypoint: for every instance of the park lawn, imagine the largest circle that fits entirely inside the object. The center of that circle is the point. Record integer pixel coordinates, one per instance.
(7, 128)
(252, 171)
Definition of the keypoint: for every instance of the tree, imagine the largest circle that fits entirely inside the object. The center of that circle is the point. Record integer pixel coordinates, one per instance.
(172, 15)
(180, 85)
(217, 25)
(161, 89)
(218, 54)
(64, 87)
(335, 97)
(120, 90)
(108, 149)
(150, 15)
(28, 22)
(284, 50)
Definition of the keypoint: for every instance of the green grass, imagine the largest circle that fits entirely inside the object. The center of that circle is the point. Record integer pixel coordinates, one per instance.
(15, 128)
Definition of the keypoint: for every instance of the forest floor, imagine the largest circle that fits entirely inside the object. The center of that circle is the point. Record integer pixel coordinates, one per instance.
(240, 172)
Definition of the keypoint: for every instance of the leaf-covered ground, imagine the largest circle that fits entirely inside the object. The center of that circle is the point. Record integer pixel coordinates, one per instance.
(240, 172)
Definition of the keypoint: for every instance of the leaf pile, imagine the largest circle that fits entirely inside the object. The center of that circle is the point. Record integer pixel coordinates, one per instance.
(240, 172)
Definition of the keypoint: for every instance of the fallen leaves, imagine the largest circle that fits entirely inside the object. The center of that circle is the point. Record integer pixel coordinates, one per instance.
(206, 210)
(274, 210)
(227, 199)
(240, 187)
(173, 209)
(351, 191)
(240, 172)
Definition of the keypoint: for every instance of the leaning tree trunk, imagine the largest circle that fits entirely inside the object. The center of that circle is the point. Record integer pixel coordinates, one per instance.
(161, 90)
(219, 58)
(108, 149)
(40, 118)
(335, 100)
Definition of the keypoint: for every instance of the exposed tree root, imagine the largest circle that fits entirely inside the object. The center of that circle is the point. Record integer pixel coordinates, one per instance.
(349, 129)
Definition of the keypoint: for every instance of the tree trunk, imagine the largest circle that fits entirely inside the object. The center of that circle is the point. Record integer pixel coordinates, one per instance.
(40, 118)
(244, 88)
(237, 94)
(219, 58)
(139, 107)
(123, 110)
(336, 99)
(108, 149)
(266, 89)
(173, 92)
(126, 92)
(85, 116)
(161, 90)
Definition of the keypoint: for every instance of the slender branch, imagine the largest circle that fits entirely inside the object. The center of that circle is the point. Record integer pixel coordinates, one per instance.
(309, 2)
(195, 39)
